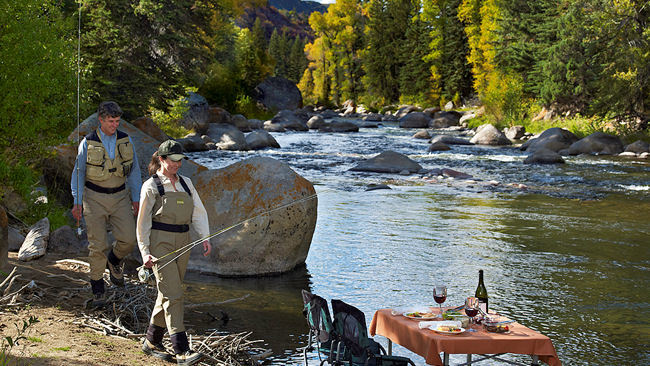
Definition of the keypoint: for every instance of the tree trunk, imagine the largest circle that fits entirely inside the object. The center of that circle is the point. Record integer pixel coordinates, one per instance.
(4, 239)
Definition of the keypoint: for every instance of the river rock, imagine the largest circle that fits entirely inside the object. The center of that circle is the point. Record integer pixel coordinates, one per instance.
(422, 134)
(289, 120)
(35, 243)
(554, 139)
(388, 162)
(278, 93)
(260, 139)
(431, 112)
(375, 187)
(449, 140)
(197, 115)
(369, 125)
(269, 243)
(339, 126)
(15, 238)
(515, 132)
(466, 117)
(372, 117)
(270, 126)
(315, 122)
(255, 124)
(194, 142)
(439, 146)
(598, 143)
(227, 137)
(455, 174)
(403, 111)
(241, 122)
(64, 240)
(414, 120)
(328, 113)
(487, 134)
(544, 156)
(219, 115)
(638, 147)
(148, 126)
(443, 119)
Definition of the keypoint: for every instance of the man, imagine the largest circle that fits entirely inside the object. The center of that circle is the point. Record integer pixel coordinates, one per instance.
(106, 164)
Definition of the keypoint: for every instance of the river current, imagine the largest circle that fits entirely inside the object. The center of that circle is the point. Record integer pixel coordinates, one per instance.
(565, 248)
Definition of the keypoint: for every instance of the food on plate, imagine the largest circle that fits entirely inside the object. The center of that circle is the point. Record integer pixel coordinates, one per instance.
(497, 328)
(448, 328)
(419, 314)
(451, 314)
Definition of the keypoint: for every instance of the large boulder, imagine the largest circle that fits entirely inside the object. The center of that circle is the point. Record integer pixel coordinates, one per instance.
(638, 147)
(241, 122)
(544, 156)
(276, 212)
(315, 122)
(64, 240)
(449, 140)
(414, 120)
(554, 139)
(489, 135)
(219, 115)
(598, 143)
(193, 142)
(339, 126)
(148, 126)
(388, 162)
(227, 137)
(197, 116)
(15, 238)
(515, 132)
(261, 139)
(403, 111)
(444, 119)
(278, 93)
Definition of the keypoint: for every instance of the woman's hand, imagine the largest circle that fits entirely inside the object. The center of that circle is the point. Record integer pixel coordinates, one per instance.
(149, 260)
(207, 248)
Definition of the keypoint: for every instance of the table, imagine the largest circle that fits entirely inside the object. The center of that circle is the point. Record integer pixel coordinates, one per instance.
(429, 344)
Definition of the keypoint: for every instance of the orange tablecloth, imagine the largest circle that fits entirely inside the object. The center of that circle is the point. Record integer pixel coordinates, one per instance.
(429, 344)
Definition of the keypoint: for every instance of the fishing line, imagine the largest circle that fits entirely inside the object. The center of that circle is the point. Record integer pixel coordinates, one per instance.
(79, 230)
(143, 275)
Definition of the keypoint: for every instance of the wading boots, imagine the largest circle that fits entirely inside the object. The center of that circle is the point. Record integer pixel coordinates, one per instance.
(116, 269)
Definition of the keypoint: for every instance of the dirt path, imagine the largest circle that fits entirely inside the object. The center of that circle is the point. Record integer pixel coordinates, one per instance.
(55, 339)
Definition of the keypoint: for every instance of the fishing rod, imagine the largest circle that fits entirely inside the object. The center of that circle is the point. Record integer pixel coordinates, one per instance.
(144, 274)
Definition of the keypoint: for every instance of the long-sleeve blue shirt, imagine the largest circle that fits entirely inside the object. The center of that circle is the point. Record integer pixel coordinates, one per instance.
(133, 179)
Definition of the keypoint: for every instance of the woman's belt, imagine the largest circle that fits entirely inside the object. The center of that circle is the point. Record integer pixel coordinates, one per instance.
(101, 189)
(156, 225)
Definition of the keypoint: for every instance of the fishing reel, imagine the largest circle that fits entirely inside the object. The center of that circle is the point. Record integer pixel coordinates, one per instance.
(145, 275)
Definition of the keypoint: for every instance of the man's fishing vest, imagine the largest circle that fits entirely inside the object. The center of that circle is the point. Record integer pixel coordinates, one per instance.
(100, 169)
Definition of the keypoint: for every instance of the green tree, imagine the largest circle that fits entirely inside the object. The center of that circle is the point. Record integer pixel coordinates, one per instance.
(143, 53)
(37, 79)
(416, 83)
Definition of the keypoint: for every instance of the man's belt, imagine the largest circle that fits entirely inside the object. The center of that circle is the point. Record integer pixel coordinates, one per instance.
(170, 227)
(101, 189)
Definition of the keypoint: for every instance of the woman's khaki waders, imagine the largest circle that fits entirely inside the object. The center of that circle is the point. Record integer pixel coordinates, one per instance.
(173, 211)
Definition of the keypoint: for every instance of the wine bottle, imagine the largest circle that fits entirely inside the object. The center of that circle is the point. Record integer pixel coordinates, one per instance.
(481, 293)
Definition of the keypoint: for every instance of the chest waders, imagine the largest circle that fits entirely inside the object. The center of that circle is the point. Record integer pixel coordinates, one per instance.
(170, 226)
(106, 200)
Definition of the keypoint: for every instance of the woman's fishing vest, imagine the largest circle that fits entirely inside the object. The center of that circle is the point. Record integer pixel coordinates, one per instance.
(102, 171)
(172, 211)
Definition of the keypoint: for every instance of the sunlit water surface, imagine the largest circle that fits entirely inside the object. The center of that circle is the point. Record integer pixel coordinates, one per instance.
(568, 255)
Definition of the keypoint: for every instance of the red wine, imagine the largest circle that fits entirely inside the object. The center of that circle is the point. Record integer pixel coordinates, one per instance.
(471, 312)
(440, 299)
(481, 293)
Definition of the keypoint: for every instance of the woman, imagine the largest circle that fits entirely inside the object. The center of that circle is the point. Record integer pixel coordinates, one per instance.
(169, 203)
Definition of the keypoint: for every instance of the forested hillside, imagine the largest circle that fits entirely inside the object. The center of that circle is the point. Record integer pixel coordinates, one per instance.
(589, 59)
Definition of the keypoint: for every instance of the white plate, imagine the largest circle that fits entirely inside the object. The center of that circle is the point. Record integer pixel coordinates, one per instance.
(433, 316)
(462, 330)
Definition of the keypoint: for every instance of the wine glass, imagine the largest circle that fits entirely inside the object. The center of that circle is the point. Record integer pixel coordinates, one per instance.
(440, 295)
(471, 309)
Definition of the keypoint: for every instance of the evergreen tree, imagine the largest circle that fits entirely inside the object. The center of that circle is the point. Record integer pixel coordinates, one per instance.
(275, 51)
(417, 85)
(297, 60)
(142, 53)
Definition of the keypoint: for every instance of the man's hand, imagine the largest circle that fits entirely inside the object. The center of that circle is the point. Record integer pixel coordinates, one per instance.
(136, 207)
(76, 213)
(207, 248)
(149, 260)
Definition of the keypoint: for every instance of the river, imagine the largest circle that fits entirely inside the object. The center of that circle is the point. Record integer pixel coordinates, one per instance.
(565, 248)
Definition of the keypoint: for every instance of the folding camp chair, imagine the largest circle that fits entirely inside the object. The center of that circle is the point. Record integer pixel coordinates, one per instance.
(350, 324)
(322, 330)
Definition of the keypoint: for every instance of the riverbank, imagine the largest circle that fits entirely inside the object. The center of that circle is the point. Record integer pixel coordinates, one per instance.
(57, 339)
